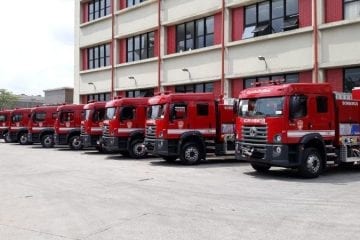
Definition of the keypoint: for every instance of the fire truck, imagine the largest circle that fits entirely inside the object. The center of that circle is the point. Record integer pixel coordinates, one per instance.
(299, 126)
(124, 126)
(5, 124)
(91, 126)
(188, 126)
(67, 125)
(19, 125)
(41, 125)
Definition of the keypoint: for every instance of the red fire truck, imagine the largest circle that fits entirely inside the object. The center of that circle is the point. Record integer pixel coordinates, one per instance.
(41, 125)
(67, 125)
(124, 126)
(300, 126)
(188, 126)
(5, 117)
(91, 126)
(19, 125)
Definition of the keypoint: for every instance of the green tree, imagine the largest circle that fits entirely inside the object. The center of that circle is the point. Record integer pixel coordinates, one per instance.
(7, 99)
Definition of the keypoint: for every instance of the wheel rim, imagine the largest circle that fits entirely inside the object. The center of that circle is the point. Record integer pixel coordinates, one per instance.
(76, 143)
(313, 163)
(23, 139)
(47, 141)
(139, 149)
(8, 137)
(192, 154)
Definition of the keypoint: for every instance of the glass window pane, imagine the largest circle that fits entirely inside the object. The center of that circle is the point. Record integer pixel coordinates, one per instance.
(189, 88)
(107, 50)
(278, 25)
(151, 44)
(264, 12)
(107, 61)
(277, 8)
(137, 42)
(200, 27)
(200, 42)
(209, 40)
(209, 87)
(102, 62)
(180, 37)
(292, 78)
(248, 83)
(292, 7)
(180, 89)
(102, 51)
(190, 35)
(96, 53)
(144, 43)
(130, 44)
(248, 32)
(209, 25)
(352, 79)
(130, 3)
(199, 88)
(250, 15)
(130, 57)
(352, 10)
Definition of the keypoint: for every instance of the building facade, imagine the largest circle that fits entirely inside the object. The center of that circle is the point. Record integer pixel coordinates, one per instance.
(138, 47)
(25, 101)
(59, 95)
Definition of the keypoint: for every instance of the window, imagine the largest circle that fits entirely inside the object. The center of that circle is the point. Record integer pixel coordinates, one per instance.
(140, 47)
(200, 88)
(17, 118)
(66, 117)
(140, 93)
(98, 9)
(99, 97)
(99, 56)
(351, 9)
(127, 113)
(351, 78)
(39, 117)
(322, 104)
(270, 17)
(287, 78)
(2, 118)
(298, 106)
(99, 115)
(130, 3)
(195, 34)
(202, 109)
(178, 111)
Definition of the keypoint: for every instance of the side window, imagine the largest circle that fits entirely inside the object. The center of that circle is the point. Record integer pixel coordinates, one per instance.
(202, 109)
(298, 106)
(178, 111)
(67, 116)
(127, 113)
(40, 117)
(322, 104)
(54, 115)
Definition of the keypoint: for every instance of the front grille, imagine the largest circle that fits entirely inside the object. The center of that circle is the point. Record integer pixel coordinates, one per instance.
(150, 136)
(254, 138)
(82, 130)
(106, 130)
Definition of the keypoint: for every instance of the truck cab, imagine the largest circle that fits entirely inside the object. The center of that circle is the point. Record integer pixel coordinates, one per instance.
(188, 126)
(19, 125)
(5, 120)
(293, 126)
(124, 126)
(67, 125)
(91, 126)
(41, 125)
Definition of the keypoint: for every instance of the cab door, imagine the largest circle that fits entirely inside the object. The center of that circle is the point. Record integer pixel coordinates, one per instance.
(299, 117)
(179, 119)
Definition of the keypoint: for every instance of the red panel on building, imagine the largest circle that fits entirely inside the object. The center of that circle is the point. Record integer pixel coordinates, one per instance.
(305, 13)
(237, 85)
(237, 21)
(85, 9)
(305, 77)
(217, 88)
(333, 10)
(122, 4)
(122, 50)
(121, 94)
(170, 88)
(171, 39)
(156, 43)
(84, 54)
(83, 99)
(217, 28)
(335, 78)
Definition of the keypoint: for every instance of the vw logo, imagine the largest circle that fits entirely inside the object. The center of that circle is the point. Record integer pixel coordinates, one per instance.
(253, 131)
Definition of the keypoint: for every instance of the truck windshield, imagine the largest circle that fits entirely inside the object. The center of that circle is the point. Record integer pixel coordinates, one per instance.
(110, 113)
(270, 107)
(87, 114)
(2, 118)
(39, 116)
(16, 118)
(156, 111)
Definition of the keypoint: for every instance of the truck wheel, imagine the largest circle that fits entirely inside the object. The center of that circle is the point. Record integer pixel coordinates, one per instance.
(190, 154)
(23, 139)
(47, 141)
(170, 158)
(259, 167)
(311, 164)
(7, 138)
(137, 149)
(75, 143)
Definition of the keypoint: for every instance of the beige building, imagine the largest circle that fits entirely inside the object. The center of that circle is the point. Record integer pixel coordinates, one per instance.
(135, 47)
(59, 95)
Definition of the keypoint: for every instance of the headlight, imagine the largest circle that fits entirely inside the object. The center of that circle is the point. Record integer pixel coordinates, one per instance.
(161, 134)
(277, 138)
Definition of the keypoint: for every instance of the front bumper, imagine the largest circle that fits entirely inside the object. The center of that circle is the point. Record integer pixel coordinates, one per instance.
(90, 140)
(271, 154)
(114, 143)
(162, 147)
(60, 139)
(2, 132)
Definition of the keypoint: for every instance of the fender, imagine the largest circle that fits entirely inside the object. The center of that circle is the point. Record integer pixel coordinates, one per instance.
(46, 130)
(72, 133)
(135, 134)
(191, 134)
(308, 138)
(20, 131)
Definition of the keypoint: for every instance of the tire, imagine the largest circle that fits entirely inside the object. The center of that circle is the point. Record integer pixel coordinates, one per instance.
(190, 154)
(23, 139)
(259, 167)
(311, 164)
(47, 141)
(137, 149)
(170, 158)
(75, 143)
(7, 137)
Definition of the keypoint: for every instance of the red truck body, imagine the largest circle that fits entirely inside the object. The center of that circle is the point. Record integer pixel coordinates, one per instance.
(189, 125)
(302, 126)
(124, 126)
(91, 126)
(19, 125)
(5, 120)
(41, 125)
(68, 124)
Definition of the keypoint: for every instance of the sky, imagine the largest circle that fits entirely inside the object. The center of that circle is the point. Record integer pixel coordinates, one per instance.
(36, 45)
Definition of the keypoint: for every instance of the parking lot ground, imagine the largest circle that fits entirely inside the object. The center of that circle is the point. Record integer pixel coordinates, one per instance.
(60, 194)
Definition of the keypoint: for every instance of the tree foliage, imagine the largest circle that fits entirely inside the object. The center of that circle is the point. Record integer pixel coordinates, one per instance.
(7, 99)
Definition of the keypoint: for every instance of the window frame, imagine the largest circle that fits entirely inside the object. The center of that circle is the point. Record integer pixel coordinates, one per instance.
(98, 56)
(147, 46)
(133, 2)
(192, 88)
(103, 9)
(345, 88)
(284, 77)
(346, 3)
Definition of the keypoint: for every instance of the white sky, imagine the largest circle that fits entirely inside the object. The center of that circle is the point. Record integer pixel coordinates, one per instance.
(36, 45)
